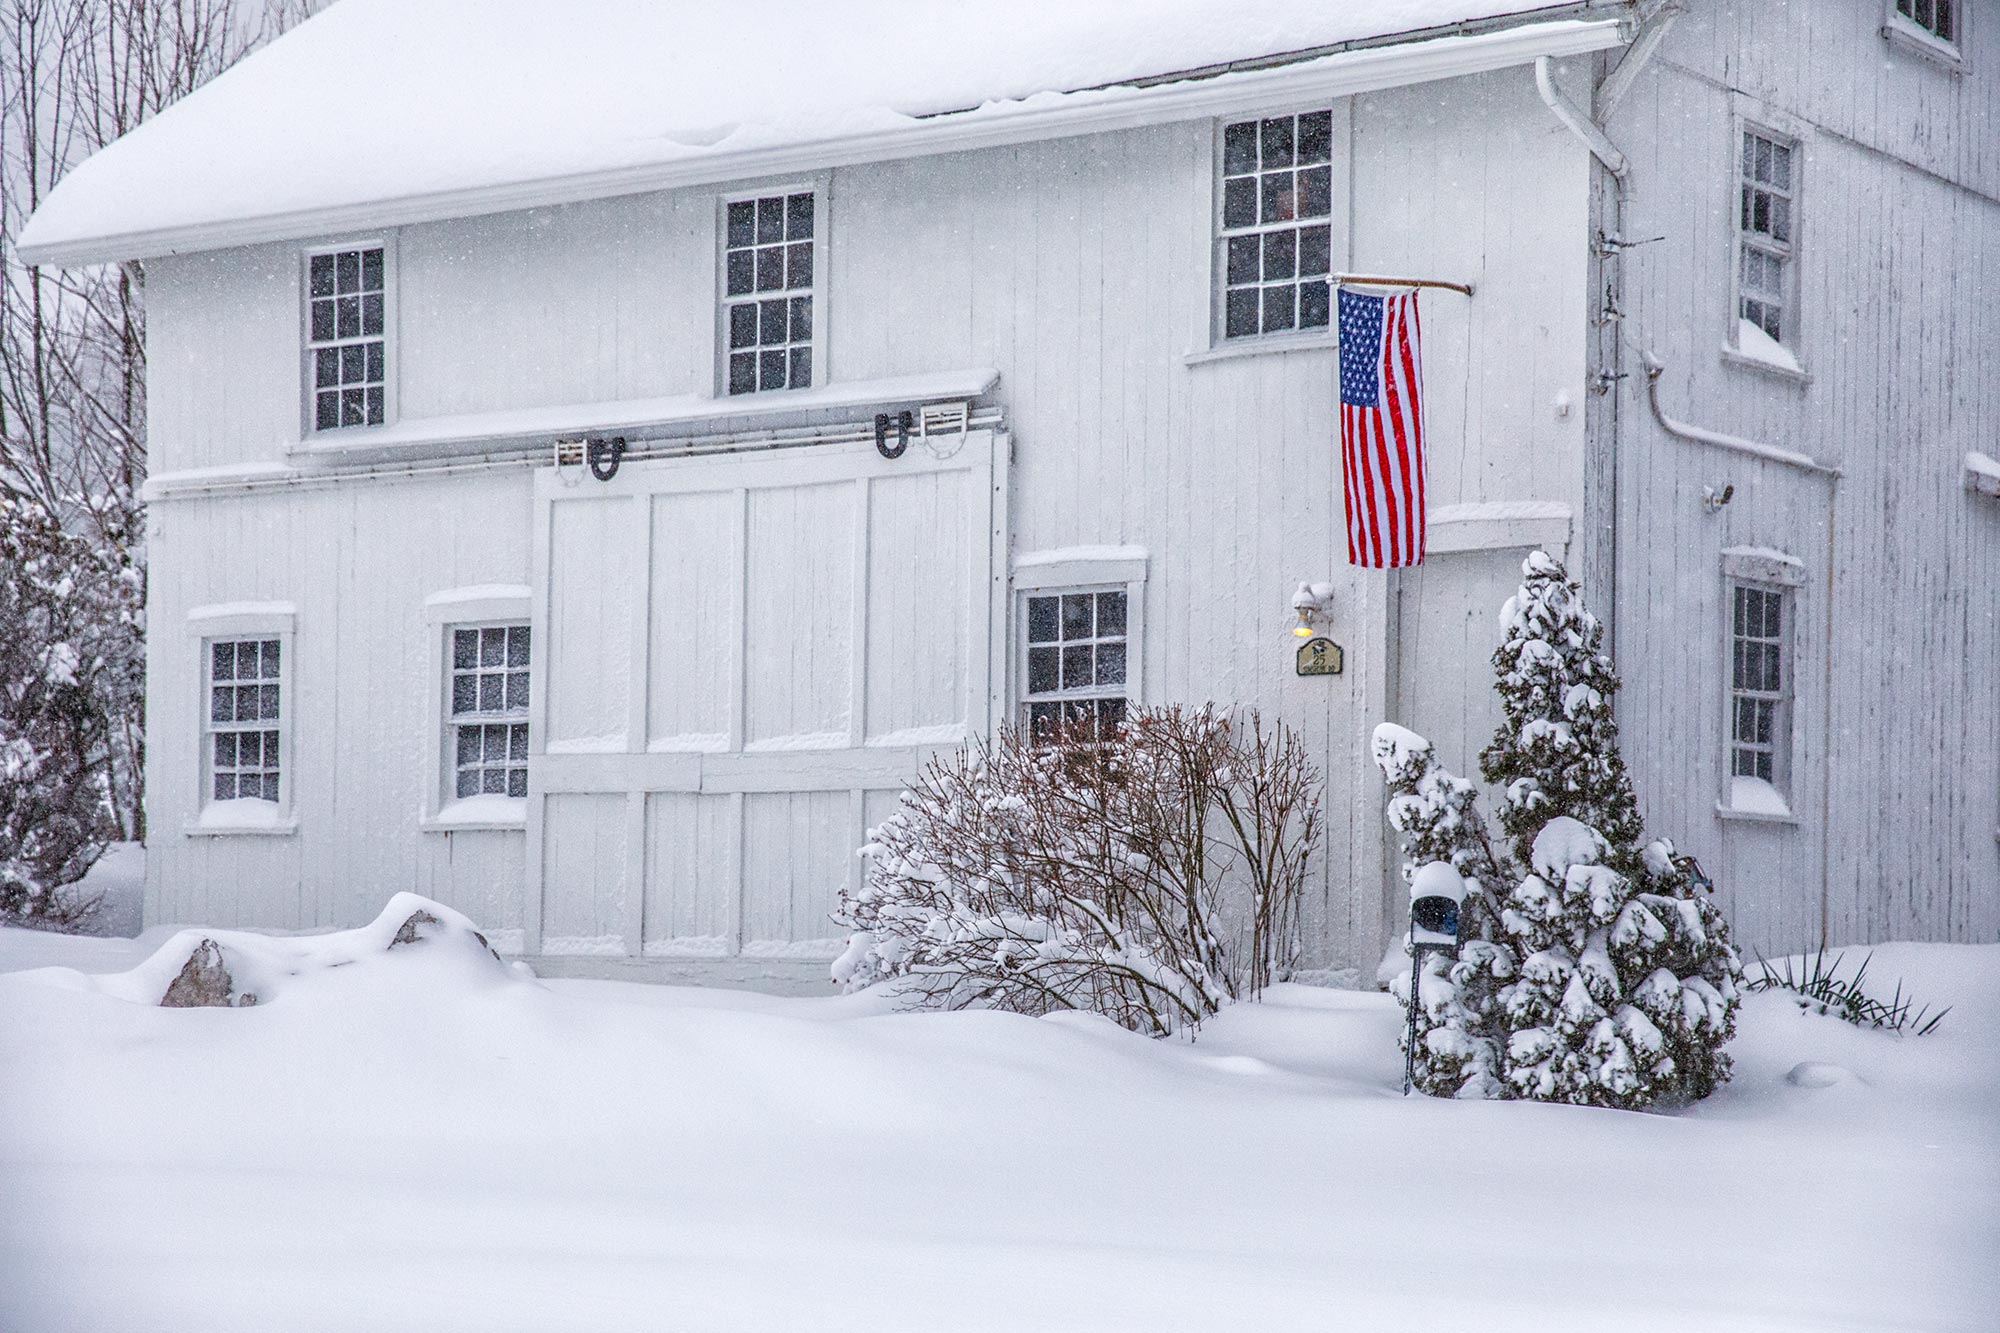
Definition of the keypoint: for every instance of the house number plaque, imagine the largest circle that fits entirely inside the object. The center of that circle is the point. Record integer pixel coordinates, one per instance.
(1319, 657)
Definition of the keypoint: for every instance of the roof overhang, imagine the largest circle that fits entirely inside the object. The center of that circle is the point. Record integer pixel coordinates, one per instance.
(1045, 116)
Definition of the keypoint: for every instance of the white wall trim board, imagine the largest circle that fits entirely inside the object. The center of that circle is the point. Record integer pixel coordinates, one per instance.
(787, 419)
(1074, 565)
(484, 601)
(1764, 564)
(1048, 116)
(1496, 525)
(1982, 473)
(222, 619)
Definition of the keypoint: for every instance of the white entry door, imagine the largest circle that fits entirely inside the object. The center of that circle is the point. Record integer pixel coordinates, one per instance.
(742, 659)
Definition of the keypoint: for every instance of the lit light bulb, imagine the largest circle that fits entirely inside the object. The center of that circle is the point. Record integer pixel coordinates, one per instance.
(1303, 629)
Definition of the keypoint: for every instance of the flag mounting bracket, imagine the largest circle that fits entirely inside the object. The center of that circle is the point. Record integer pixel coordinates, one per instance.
(1369, 280)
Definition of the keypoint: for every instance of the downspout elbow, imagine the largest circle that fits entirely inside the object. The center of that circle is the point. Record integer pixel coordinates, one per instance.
(1579, 124)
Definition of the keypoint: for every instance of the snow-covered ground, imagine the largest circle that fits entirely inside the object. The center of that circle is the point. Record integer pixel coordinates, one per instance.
(422, 1138)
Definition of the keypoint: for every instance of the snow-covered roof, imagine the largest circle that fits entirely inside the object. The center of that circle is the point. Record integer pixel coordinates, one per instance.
(381, 112)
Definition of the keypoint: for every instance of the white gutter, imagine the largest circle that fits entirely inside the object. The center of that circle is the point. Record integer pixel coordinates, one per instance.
(1048, 116)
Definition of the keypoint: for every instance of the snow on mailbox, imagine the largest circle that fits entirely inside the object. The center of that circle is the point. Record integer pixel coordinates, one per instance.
(1436, 893)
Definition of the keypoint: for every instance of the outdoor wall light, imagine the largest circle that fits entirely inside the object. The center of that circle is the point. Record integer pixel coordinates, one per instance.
(1313, 602)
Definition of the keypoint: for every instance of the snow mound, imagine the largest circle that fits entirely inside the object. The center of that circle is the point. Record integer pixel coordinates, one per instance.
(241, 969)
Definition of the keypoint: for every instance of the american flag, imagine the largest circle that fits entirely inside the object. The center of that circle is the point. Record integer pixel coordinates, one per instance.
(1382, 428)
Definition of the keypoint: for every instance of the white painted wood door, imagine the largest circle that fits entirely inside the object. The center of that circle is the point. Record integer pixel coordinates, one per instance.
(740, 660)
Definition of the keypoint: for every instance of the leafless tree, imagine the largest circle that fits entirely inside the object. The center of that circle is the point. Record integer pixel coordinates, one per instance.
(75, 75)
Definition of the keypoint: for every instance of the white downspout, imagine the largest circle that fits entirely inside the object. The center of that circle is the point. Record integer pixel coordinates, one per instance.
(1579, 124)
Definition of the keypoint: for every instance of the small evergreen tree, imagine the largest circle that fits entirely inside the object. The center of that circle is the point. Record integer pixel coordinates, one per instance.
(1595, 971)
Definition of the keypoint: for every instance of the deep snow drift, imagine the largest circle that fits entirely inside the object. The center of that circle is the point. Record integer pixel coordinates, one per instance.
(422, 1137)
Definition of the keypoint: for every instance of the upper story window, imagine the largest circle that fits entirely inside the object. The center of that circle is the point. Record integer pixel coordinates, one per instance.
(489, 710)
(1934, 18)
(347, 349)
(1767, 230)
(768, 271)
(1275, 234)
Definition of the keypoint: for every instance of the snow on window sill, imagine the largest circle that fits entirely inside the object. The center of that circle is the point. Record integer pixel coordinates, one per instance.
(1757, 350)
(241, 817)
(1756, 801)
(478, 812)
(1326, 341)
(1902, 32)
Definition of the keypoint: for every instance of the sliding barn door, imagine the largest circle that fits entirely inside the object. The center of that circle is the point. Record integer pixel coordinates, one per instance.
(741, 660)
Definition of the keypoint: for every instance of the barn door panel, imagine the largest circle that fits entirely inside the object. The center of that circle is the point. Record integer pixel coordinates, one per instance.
(742, 658)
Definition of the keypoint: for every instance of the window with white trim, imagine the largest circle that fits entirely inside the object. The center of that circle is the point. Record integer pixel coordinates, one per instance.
(1936, 19)
(1766, 231)
(1760, 684)
(488, 702)
(1274, 229)
(244, 733)
(347, 341)
(1078, 653)
(768, 283)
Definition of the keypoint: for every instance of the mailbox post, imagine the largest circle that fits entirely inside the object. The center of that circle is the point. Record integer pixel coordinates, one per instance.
(1436, 893)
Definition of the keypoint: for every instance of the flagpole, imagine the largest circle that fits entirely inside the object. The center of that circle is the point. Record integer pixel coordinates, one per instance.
(1365, 280)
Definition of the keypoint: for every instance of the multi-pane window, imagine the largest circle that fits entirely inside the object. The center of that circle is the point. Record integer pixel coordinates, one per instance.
(767, 269)
(1077, 646)
(244, 720)
(489, 710)
(1935, 17)
(1766, 226)
(1759, 684)
(348, 348)
(1276, 232)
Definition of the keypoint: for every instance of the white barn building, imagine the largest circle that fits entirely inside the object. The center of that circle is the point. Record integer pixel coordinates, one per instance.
(1727, 351)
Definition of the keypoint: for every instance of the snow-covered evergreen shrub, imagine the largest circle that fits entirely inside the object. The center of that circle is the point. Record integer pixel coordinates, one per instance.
(1149, 876)
(67, 612)
(1592, 969)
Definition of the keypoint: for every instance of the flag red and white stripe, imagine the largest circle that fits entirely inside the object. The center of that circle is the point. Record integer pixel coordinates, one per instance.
(1382, 428)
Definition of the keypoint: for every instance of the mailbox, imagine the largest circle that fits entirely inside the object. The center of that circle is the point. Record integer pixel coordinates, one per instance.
(1436, 893)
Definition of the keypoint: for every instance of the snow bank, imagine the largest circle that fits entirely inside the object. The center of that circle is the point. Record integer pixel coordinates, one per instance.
(378, 100)
(406, 1141)
(243, 969)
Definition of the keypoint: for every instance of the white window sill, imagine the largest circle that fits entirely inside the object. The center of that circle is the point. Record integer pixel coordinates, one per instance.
(1325, 340)
(1790, 374)
(1730, 812)
(504, 813)
(1910, 37)
(282, 827)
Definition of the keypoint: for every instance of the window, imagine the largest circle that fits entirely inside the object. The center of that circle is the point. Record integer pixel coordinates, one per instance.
(767, 310)
(347, 344)
(1275, 236)
(245, 720)
(1767, 227)
(1077, 660)
(1934, 18)
(489, 710)
(1759, 686)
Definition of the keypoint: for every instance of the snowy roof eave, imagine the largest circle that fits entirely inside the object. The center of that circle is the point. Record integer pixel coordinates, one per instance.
(1042, 116)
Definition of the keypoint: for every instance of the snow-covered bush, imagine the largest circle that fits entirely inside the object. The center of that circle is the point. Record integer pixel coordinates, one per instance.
(1148, 876)
(69, 608)
(1592, 968)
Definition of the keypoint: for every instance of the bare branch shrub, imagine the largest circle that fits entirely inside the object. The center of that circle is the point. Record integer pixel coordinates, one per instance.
(1150, 875)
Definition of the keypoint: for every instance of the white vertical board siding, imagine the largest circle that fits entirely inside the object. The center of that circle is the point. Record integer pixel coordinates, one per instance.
(357, 561)
(765, 608)
(1081, 269)
(1897, 659)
